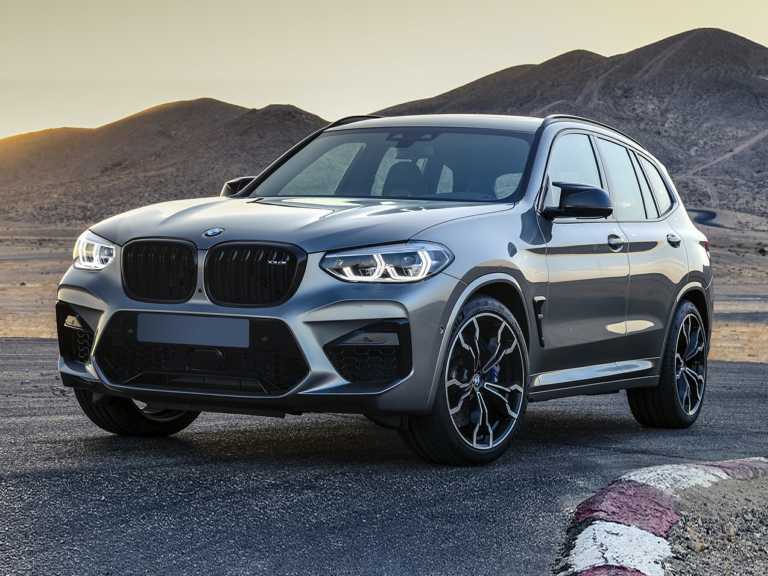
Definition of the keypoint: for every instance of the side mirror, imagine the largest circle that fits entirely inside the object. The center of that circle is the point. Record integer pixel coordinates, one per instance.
(580, 201)
(234, 186)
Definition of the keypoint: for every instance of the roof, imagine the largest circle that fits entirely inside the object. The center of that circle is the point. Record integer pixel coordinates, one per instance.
(488, 121)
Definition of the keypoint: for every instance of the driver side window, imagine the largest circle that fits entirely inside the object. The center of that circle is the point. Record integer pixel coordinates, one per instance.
(572, 160)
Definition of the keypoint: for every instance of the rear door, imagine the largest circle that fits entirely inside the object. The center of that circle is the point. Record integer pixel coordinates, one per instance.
(657, 262)
(588, 266)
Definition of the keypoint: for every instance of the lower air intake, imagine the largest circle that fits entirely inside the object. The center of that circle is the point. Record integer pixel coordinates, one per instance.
(271, 365)
(378, 353)
(75, 336)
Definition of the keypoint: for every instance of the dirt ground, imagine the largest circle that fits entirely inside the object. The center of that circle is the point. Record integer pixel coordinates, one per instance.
(33, 259)
(723, 530)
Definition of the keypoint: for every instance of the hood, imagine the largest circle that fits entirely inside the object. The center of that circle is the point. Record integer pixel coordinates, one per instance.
(314, 224)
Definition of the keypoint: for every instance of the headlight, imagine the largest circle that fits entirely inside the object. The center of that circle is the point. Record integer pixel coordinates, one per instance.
(92, 252)
(409, 262)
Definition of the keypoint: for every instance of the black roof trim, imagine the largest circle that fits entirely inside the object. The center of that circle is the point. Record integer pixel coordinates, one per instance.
(565, 117)
(350, 120)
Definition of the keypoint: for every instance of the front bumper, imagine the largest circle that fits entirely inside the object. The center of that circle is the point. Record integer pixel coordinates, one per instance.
(321, 311)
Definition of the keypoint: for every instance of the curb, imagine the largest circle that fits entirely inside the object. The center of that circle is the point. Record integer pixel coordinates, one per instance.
(622, 529)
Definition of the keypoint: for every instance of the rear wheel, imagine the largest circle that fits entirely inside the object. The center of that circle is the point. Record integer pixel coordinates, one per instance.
(481, 398)
(676, 402)
(127, 417)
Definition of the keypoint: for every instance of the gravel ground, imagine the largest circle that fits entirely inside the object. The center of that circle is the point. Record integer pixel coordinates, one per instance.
(723, 530)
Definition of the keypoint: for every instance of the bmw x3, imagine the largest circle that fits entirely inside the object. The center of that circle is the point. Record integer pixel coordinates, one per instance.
(435, 273)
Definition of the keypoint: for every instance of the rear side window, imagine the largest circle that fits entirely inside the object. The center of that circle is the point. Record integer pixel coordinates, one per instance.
(622, 181)
(660, 191)
(573, 161)
(650, 205)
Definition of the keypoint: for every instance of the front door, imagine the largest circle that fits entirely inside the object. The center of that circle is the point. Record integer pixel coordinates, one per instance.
(583, 324)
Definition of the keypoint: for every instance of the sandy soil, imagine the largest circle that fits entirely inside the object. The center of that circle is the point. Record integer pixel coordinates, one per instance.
(723, 530)
(32, 261)
(740, 342)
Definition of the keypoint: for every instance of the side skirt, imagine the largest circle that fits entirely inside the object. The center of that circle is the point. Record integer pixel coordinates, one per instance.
(596, 379)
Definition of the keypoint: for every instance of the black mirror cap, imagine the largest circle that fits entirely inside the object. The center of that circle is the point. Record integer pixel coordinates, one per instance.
(580, 201)
(235, 186)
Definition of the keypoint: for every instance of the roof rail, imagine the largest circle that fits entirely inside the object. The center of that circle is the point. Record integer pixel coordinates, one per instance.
(555, 117)
(350, 120)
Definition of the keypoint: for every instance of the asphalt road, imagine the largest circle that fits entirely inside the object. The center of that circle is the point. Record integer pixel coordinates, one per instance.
(317, 494)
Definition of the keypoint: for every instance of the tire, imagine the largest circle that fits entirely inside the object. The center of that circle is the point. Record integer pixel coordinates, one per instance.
(124, 417)
(666, 405)
(493, 391)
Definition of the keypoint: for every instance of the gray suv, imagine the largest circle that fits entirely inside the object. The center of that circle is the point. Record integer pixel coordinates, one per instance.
(434, 273)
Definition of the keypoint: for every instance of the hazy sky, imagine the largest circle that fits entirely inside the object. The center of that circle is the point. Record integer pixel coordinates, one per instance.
(85, 63)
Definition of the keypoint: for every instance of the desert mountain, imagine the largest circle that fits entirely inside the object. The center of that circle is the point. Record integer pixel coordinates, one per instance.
(698, 100)
(175, 150)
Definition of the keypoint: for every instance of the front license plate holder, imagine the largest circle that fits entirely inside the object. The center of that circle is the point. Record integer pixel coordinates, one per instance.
(190, 330)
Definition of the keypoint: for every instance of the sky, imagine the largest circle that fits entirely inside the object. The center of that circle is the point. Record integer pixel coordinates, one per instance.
(87, 63)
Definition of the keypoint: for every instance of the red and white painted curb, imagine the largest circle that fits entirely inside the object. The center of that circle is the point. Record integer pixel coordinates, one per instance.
(622, 530)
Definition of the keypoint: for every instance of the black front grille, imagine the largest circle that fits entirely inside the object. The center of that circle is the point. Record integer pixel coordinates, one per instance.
(159, 270)
(75, 336)
(373, 354)
(251, 274)
(271, 365)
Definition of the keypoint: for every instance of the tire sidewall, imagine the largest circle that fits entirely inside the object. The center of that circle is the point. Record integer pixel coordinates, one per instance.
(122, 416)
(668, 380)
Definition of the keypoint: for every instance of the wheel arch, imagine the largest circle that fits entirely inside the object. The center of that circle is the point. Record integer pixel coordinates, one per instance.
(696, 296)
(511, 296)
(694, 293)
(501, 286)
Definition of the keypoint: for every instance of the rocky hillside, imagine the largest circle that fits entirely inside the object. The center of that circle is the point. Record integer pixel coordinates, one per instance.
(176, 150)
(698, 100)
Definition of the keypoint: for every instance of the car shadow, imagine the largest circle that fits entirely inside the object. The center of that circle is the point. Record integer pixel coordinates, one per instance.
(353, 441)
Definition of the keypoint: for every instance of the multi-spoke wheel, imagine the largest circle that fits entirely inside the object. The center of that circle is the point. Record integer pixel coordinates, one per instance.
(484, 380)
(483, 388)
(676, 402)
(691, 363)
(131, 418)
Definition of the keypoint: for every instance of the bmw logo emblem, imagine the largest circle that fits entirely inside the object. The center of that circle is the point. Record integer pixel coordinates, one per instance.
(213, 232)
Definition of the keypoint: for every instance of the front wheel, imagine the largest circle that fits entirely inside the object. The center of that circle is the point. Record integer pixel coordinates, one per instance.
(481, 396)
(127, 417)
(677, 400)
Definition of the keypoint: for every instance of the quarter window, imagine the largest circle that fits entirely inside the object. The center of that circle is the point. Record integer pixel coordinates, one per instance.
(657, 185)
(622, 181)
(573, 161)
(650, 206)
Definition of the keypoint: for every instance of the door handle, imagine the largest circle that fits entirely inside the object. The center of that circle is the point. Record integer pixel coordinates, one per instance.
(615, 242)
(674, 240)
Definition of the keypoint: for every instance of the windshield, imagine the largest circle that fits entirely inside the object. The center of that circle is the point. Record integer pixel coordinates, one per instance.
(418, 163)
